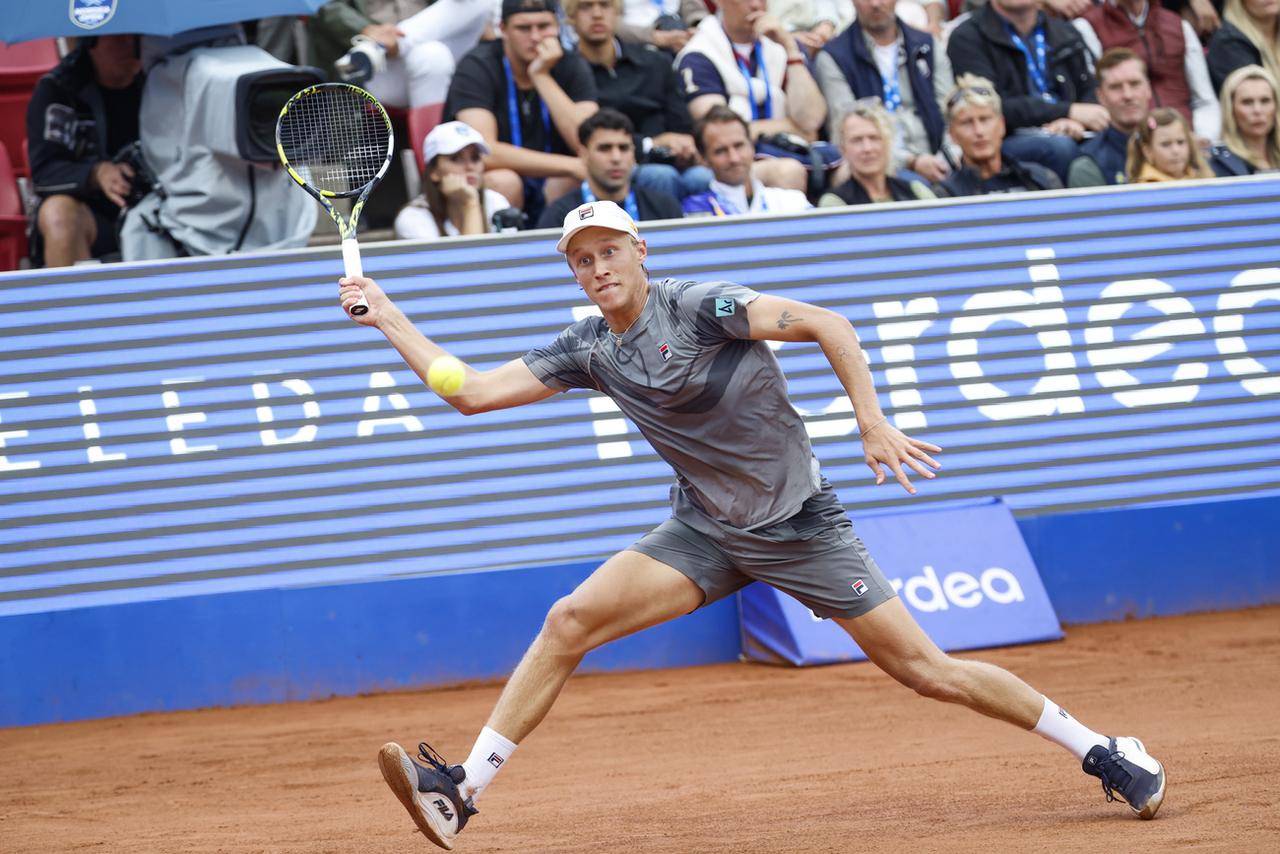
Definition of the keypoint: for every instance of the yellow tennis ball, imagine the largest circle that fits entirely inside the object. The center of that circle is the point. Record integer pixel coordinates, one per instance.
(445, 376)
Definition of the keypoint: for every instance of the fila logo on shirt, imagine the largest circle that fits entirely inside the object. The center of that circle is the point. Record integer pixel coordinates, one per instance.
(495, 760)
(664, 351)
(725, 306)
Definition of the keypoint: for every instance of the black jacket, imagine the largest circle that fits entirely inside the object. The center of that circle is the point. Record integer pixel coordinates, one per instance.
(1226, 163)
(650, 203)
(981, 46)
(1015, 176)
(1229, 49)
(68, 128)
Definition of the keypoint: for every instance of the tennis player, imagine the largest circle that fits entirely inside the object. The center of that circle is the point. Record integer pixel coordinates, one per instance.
(687, 362)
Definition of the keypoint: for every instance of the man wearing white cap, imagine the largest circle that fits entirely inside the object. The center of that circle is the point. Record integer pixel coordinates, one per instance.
(688, 363)
(454, 199)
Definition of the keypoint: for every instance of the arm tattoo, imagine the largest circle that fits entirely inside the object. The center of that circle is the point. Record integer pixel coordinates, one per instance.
(787, 319)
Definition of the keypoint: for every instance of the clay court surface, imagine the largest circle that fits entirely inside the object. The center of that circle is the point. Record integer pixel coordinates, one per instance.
(730, 758)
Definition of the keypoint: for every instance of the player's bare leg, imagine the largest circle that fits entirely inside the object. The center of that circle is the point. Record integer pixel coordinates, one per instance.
(893, 640)
(627, 593)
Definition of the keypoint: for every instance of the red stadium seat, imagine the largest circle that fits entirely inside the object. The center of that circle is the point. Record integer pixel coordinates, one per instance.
(13, 224)
(21, 67)
(421, 121)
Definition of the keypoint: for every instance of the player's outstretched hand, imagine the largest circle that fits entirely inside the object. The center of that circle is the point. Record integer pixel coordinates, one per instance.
(886, 445)
(349, 291)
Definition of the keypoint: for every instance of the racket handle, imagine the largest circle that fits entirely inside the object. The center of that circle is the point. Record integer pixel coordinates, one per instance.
(352, 267)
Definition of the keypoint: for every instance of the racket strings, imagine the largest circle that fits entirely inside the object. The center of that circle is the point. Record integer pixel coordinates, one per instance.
(335, 139)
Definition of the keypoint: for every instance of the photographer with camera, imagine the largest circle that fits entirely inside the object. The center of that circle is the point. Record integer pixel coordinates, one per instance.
(82, 114)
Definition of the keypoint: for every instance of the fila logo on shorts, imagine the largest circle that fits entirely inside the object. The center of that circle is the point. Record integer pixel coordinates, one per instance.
(586, 213)
(725, 306)
(495, 760)
(664, 351)
(859, 587)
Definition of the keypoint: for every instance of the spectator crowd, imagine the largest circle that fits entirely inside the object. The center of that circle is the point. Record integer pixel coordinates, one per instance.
(687, 108)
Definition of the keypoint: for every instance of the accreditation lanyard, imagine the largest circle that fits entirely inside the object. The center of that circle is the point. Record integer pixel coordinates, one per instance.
(892, 92)
(764, 77)
(723, 207)
(628, 204)
(513, 113)
(1037, 61)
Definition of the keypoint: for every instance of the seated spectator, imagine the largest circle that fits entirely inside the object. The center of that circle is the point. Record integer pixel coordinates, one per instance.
(1176, 68)
(1250, 136)
(454, 199)
(1040, 67)
(641, 84)
(724, 141)
(977, 125)
(1249, 35)
(1123, 89)
(404, 60)
(880, 57)
(527, 98)
(1205, 16)
(81, 115)
(744, 58)
(609, 157)
(866, 139)
(1164, 149)
(659, 23)
(812, 22)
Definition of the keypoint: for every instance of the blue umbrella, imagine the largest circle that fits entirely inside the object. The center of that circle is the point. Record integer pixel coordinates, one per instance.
(37, 19)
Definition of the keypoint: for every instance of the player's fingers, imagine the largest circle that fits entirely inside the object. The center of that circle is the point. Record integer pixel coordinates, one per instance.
(919, 468)
(926, 446)
(919, 454)
(876, 469)
(901, 476)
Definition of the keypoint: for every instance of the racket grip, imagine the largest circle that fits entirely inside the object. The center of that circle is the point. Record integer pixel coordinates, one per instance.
(352, 267)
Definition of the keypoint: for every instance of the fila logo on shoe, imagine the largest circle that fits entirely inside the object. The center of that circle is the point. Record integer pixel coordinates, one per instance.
(443, 806)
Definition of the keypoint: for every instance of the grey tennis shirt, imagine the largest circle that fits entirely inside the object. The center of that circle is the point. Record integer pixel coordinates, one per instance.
(711, 402)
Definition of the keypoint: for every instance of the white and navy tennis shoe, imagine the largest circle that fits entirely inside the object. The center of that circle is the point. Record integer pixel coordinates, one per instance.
(1128, 773)
(429, 792)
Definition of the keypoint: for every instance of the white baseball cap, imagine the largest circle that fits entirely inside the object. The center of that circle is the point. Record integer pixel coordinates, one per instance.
(450, 138)
(596, 214)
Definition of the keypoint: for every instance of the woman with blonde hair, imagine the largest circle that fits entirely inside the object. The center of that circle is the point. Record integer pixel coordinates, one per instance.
(1250, 137)
(1164, 149)
(866, 140)
(1249, 35)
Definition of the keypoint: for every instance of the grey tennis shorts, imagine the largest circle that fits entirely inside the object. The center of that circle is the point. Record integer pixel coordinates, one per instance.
(814, 556)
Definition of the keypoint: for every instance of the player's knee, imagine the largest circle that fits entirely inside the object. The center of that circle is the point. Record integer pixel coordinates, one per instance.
(936, 679)
(567, 628)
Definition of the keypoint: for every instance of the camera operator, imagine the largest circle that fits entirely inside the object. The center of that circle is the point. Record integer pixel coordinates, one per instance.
(81, 115)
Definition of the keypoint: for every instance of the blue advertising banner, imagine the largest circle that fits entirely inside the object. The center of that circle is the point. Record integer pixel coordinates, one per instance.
(964, 573)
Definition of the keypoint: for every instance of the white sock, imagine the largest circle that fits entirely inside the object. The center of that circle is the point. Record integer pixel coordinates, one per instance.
(490, 753)
(1062, 729)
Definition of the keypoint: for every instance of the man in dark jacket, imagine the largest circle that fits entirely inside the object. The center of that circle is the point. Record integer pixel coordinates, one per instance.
(1040, 67)
(1123, 88)
(609, 156)
(853, 65)
(977, 126)
(81, 115)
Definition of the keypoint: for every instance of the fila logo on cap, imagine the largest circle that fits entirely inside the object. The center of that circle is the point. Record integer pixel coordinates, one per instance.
(586, 213)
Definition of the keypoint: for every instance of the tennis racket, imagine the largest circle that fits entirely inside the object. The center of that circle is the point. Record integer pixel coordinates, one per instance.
(335, 140)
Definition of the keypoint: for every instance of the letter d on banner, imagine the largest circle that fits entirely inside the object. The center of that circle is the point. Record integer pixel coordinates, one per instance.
(964, 574)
